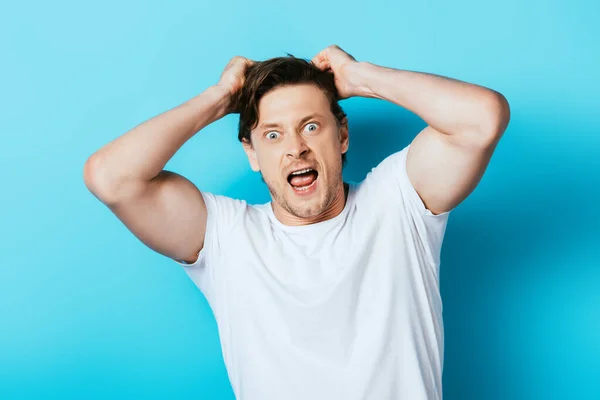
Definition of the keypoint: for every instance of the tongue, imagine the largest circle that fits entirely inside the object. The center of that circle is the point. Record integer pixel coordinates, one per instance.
(304, 179)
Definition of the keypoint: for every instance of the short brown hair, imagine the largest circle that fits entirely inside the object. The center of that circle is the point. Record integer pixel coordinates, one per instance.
(267, 75)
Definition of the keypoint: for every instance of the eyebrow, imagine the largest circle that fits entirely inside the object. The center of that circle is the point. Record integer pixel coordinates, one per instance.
(276, 125)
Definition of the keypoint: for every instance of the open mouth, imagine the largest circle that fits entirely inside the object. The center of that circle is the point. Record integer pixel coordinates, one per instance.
(303, 180)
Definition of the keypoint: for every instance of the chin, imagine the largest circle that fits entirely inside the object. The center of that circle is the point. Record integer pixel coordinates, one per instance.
(306, 212)
(309, 205)
(303, 208)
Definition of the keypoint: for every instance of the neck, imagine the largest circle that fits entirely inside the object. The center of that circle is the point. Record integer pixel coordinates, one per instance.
(333, 210)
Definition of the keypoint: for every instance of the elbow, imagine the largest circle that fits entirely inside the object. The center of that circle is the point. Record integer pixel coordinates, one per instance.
(497, 116)
(89, 169)
(94, 181)
(493, 115)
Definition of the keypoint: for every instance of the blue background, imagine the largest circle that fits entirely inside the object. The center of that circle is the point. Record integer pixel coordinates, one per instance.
(87, 311)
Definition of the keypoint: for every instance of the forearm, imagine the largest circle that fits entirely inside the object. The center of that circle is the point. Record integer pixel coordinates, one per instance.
(142, 153)
(450, 106)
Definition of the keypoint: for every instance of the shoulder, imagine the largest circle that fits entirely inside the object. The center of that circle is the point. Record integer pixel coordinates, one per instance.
(383, 183)
(389, 181)
(224, 207)
(227, 213)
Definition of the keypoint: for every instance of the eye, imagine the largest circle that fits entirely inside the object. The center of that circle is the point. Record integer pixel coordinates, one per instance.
(272, 135)
(312, 127)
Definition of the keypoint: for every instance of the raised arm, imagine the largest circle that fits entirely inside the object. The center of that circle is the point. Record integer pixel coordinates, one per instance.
(447, 159)
(161, 208)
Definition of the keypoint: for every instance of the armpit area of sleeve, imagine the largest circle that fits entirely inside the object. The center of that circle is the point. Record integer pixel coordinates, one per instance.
(211, 209)
(199, 259)
(410, 191)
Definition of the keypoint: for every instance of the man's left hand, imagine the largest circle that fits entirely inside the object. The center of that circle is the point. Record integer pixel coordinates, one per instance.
(344, 68)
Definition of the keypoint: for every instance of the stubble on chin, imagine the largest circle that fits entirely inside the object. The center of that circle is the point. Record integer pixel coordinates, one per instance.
(299, 211)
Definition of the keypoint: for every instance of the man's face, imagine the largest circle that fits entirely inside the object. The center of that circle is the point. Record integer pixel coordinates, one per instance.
(297, 131)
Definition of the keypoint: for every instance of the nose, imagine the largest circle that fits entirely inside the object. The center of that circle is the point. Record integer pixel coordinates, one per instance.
(296, 146)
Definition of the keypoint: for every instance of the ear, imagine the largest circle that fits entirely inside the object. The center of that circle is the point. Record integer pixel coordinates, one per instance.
(344, 135)
(251, 154)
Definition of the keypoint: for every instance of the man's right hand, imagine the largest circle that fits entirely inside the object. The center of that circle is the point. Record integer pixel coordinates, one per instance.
(233, 77)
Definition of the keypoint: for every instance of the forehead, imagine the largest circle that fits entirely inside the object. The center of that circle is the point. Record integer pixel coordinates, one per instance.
(288, 103)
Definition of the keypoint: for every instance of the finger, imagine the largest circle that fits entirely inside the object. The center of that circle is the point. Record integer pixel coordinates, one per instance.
(338, 51)
(316, 60)
(319, 57)
(321, 61)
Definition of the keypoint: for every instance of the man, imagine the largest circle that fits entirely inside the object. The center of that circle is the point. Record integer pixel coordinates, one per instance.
(331, 290)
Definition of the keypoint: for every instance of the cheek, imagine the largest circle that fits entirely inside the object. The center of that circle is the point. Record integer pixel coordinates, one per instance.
(333, 141)
(331, 150)
(269, 165)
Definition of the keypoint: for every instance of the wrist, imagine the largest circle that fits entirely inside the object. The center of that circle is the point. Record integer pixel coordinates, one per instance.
(360, 74)
(218, 98)
(221, 97)
(210, 105)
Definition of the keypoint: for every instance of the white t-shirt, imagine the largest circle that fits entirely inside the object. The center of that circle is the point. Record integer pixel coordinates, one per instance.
(347, 308)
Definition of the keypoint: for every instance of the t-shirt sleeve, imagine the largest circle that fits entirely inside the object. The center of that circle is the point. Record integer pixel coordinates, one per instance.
(390, 176)
(222, 213)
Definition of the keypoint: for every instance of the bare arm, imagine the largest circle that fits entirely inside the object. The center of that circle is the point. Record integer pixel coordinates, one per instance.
(163, 209)
(448, 158)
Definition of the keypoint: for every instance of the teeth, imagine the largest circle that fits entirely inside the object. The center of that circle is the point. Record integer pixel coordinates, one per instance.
(302, 171)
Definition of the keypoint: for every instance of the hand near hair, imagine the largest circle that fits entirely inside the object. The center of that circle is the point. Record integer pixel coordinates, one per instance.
(343, 66)
(232, 79)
